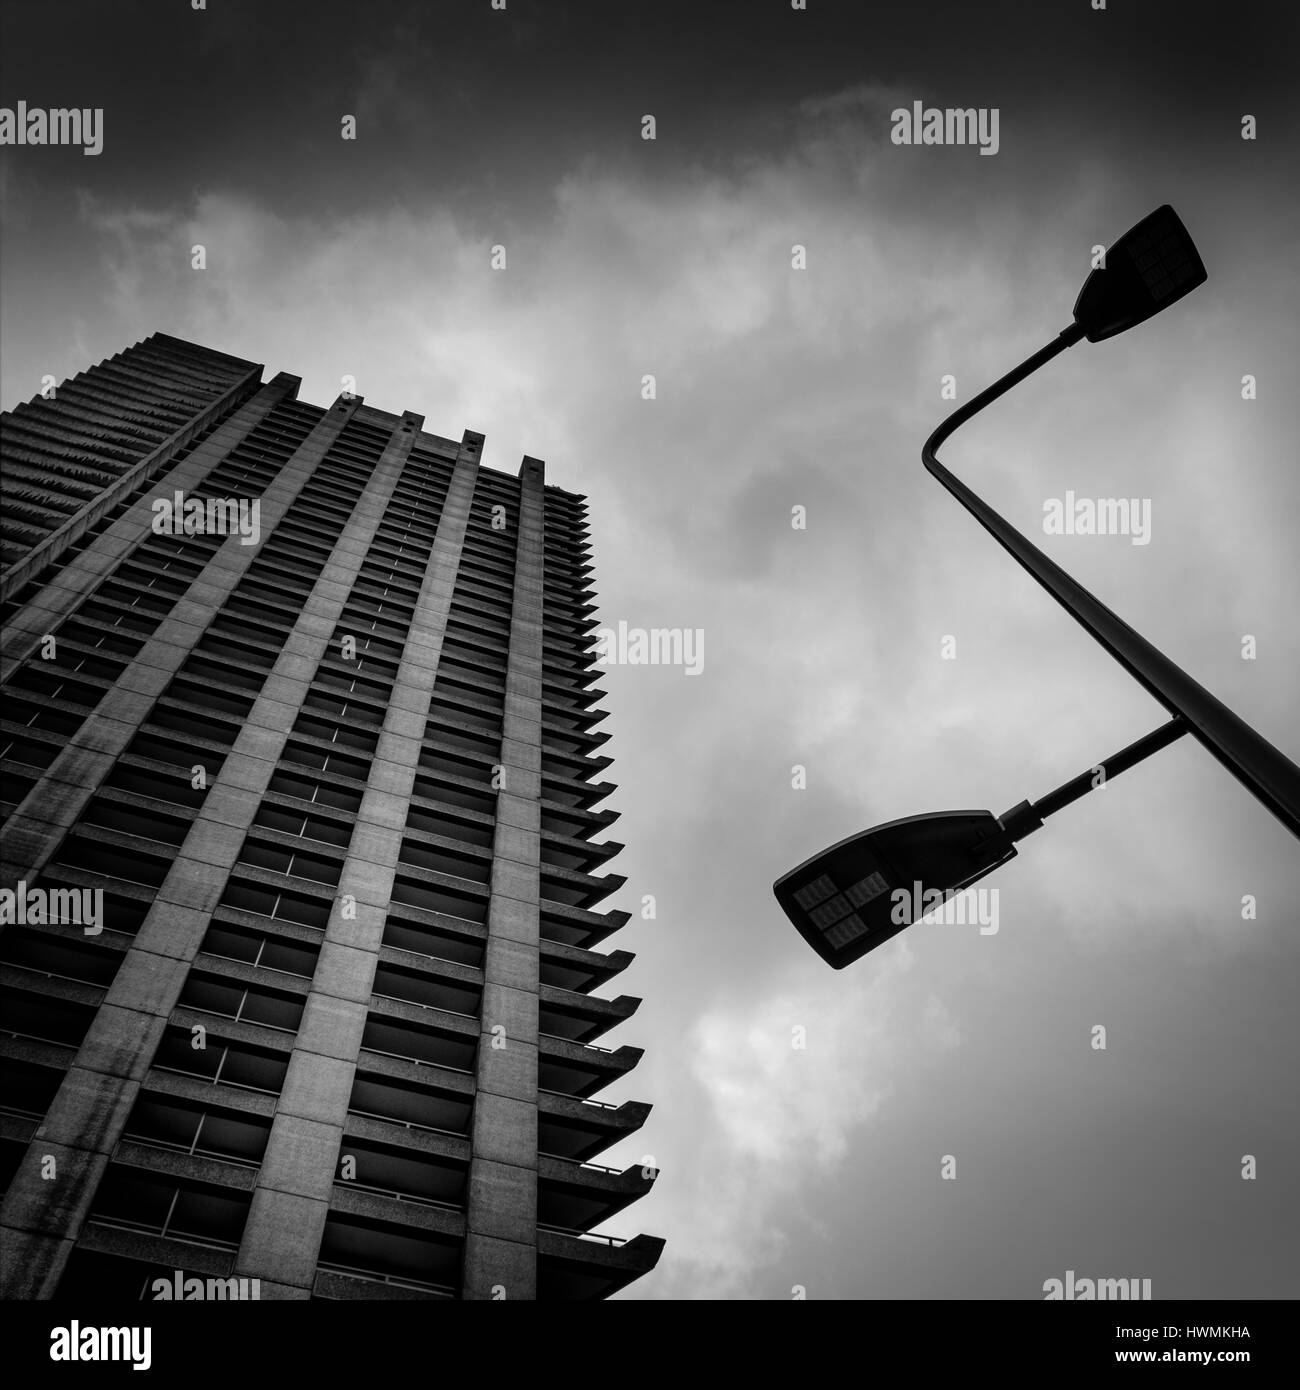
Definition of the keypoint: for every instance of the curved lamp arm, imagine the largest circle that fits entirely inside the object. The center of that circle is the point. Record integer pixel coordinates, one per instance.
(1263, 770)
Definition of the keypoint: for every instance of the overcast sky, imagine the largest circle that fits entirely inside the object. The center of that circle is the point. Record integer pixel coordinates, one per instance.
(778, 388)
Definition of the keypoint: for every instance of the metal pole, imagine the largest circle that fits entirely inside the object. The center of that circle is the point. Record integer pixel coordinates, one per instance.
(1265, 771)
(1029, 816)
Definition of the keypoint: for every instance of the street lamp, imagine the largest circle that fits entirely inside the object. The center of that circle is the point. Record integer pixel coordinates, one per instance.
(846, 900)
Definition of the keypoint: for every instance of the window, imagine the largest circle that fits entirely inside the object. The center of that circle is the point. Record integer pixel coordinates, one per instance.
(307, 827)
(131, 820)
(401, 1102)
(319, 792)
(322, 760)
(228, 1063)
(268, 902)
(187, 1210)
(172, 1123)
(214, 994)
(406, 935)
(143, 782)
(434, 898)
(231, 941)
(297, 863)
(81, 852)
(194, 725)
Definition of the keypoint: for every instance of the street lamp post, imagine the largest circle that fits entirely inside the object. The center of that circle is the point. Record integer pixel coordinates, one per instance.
(1150, 267)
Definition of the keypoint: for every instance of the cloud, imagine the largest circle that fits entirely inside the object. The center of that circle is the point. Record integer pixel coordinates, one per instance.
(785, 1083)
(790, 1076)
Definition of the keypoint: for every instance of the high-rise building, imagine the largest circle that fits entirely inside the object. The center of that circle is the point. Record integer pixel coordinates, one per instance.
(300, 789)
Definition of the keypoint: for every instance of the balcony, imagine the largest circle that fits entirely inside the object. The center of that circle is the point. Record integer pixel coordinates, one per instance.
(580, 1129)
(576, 889)
(19, 1049)
(440, 894)
(397, 1165)
(448, 821)
(223, 990)
(577, 970)
(198, 1200)
(569, 852)
(566, 739)
(29, 1087)
(582, 1018)
(339, 1283)
(426, 1037)
(564, 822)
(255, 1103)
(583, 1267)
(577, 1196)
(394, 1095)
(571, 794)
(563, 699)
(60, 951)
(167, 1163)
(362, 1246)
(446, 857)
(163, 1253)
(397, 1211)
(574, 1069)
(286, 949)
(426, 984)
(577, 926)
(41, 1009)
(205, 1128)
(245, 1055)
(420, 935)
(573, 768)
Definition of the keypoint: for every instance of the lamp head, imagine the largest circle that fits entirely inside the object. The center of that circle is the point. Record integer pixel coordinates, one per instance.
(851, 898)
(1150, 267)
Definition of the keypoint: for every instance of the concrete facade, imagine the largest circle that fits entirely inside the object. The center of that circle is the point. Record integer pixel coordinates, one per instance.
(335, 788)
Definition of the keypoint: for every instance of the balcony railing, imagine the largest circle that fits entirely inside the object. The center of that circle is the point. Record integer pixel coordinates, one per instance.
(137, 1228)
(235, 1018)
(595, 1104)
(374, 1277)
(217, 1080)
(577, 1163)
(55, 975)
(349, 1184)
(252, 965)
(37, 1037)
(416, 1061)
(589, 1047)
(417, 1004)
(612, 1241)
(149, 1142)
(407, 1124)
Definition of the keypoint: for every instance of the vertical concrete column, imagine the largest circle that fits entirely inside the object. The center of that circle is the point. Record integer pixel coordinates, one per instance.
(65, 591)
(501, 1242)
(41, 1219)
(286, 1224)
(39, 823)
